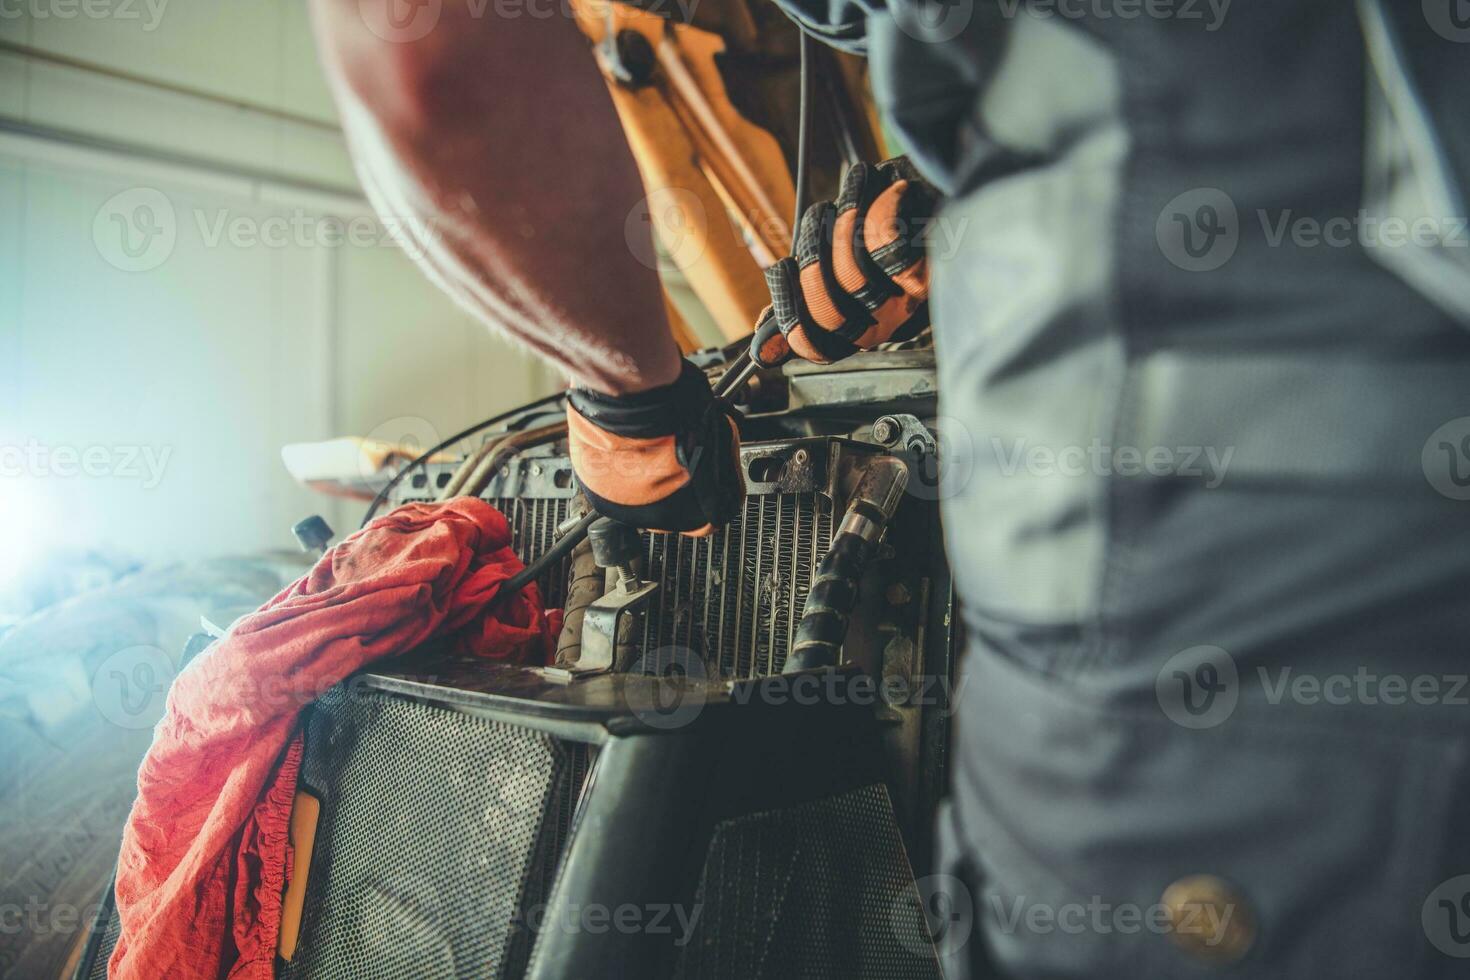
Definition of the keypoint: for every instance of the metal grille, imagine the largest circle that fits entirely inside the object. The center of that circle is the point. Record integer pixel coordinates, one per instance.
(438, 832)
(820, 891)
(108, 943)
(734, 598)
(533, 523)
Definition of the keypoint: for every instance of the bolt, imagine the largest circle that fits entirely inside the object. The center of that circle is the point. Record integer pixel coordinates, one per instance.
(627, 577)
(800, 457)
(885, 431)
(636, 57)
(535, 469)
(898, 655)
(898, 594)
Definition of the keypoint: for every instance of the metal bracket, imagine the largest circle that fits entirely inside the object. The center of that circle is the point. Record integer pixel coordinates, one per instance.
(910, 440)
(600, 629)
(904, 433)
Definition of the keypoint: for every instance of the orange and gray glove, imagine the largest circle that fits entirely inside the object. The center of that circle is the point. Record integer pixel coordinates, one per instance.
(666, 459)
(859, 274)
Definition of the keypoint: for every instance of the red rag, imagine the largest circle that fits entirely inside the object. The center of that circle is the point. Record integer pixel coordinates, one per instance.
(205, 851)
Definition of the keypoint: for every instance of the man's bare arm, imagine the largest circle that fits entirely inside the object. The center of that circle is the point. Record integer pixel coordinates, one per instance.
(493, 143)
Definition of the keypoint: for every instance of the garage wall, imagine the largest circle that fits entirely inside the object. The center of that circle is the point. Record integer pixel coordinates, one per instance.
(189, 278)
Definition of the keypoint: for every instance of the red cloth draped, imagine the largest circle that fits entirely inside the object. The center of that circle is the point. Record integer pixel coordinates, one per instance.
(205, 854)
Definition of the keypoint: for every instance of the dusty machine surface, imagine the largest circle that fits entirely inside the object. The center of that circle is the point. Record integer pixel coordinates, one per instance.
(669, 803)
(726, 608)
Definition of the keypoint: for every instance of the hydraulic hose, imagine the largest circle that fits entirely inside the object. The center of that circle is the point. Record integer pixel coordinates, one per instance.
(834, 592)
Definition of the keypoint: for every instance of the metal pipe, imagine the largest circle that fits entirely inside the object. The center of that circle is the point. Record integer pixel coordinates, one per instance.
(506, 448)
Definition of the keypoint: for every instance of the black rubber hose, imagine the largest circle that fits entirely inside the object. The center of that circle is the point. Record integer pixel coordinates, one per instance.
(803, 131)
(830, 602)
(725, 386)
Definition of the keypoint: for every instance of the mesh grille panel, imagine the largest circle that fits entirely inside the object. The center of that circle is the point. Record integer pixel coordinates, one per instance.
(734, 597)
(822, 890)
(439, 829)
(110, 934)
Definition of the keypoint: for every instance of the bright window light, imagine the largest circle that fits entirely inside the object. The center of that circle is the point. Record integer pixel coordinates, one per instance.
(22, 527)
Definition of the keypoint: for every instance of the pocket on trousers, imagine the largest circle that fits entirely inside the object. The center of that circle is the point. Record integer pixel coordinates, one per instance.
(1322, 852)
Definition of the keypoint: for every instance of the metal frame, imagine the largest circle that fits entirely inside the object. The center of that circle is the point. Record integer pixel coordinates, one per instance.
(656, 794)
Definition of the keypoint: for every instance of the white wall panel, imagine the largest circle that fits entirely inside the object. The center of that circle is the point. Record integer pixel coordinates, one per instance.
(227, 47)
(184, 360)
(302, 88)
(79, 101)
(12, 274)
(12, 84)
(15, 27)
(215, 350)
(436, 369)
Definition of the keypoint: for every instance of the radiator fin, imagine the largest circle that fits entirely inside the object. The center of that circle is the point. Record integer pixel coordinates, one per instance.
(785, 895)
(533, 523)
(733, 598)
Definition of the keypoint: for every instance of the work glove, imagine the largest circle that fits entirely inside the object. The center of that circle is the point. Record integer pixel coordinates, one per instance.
(666, 459)
(859, 274)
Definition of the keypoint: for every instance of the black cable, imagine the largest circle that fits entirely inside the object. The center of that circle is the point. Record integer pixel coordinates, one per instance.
(555, 553)
(803, 127)
(740, 369)
(477, 427)
(841, 121)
